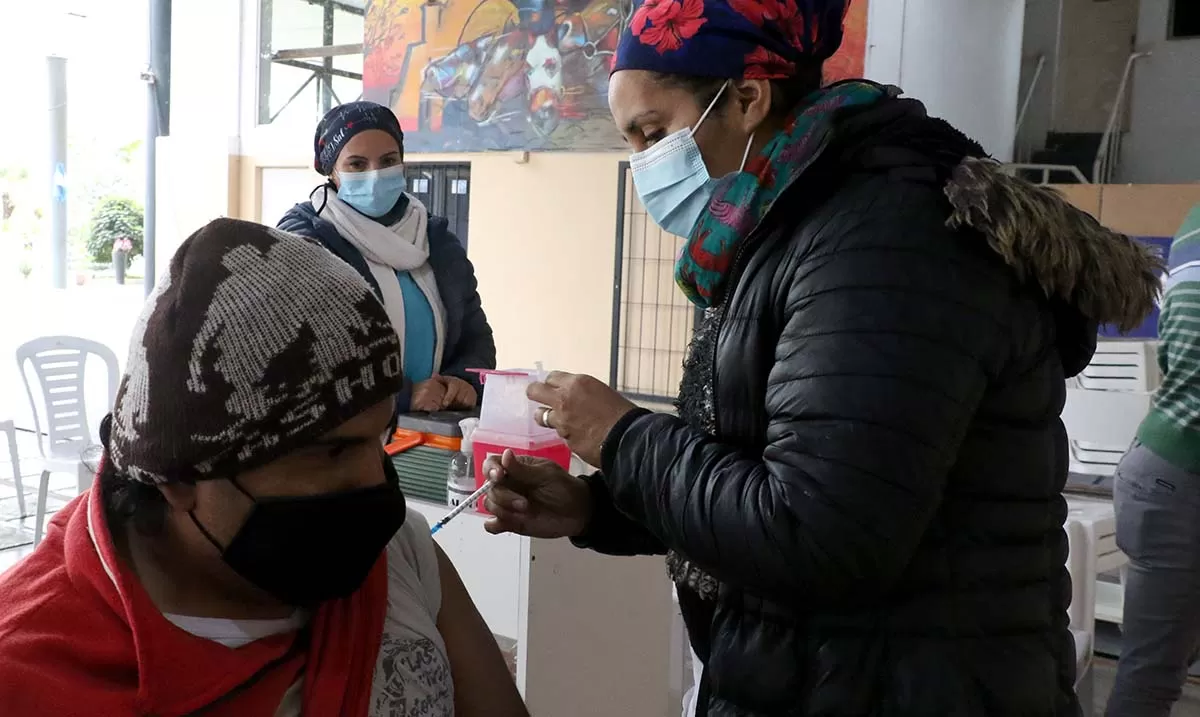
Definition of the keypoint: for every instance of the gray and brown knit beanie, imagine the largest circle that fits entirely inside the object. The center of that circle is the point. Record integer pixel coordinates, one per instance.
(255, 344)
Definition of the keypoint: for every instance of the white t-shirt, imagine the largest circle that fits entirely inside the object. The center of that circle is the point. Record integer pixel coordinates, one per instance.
(412, 672)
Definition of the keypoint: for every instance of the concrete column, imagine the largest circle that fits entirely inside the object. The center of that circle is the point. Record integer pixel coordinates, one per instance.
(158, 124)
(57, 158)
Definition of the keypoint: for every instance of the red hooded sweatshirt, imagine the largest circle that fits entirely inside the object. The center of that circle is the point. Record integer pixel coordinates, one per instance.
(80, 636)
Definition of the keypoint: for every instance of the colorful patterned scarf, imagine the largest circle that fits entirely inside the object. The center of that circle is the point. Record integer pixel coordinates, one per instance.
(743, 199)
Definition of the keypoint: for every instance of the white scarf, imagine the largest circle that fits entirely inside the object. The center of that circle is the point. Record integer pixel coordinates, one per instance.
(404, 246)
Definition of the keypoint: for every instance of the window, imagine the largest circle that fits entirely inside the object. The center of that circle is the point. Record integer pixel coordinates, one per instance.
(1185, 19)
(653, 321)
(310, 58)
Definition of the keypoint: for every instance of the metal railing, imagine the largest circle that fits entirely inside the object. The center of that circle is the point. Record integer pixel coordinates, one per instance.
(1109, 154)
(1046, 170)
(652, 321)
(1033, 83)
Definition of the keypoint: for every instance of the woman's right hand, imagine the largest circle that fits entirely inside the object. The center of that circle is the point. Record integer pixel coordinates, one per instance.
(535, 497)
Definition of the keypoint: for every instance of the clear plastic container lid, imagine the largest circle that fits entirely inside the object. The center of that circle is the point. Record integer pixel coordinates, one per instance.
(505, 407)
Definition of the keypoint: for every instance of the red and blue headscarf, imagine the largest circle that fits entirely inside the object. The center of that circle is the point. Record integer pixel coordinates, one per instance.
(730, 39)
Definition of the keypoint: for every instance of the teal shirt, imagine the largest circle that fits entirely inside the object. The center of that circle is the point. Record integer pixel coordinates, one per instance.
(420, 331)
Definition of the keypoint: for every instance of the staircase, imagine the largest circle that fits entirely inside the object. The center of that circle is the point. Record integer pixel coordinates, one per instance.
(1077, 157)
(1070, 149)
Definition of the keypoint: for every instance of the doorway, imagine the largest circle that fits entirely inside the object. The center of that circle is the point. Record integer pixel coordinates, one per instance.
(445, 190)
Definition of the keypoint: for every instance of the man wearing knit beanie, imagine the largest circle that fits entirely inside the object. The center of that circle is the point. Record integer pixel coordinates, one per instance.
(247, 549)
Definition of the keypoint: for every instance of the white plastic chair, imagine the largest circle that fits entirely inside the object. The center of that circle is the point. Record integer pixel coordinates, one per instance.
(59, 362)
(1101, 425)
(10, 430)
(1081, 564)
(1123, 365)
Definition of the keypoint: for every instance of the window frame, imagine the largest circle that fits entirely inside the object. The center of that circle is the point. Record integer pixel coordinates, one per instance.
(317, 60)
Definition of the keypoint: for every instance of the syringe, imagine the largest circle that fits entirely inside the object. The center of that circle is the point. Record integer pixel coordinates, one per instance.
(467, 503)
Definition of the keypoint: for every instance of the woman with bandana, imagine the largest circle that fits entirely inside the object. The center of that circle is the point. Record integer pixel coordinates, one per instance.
(415, 264)
(860, 497)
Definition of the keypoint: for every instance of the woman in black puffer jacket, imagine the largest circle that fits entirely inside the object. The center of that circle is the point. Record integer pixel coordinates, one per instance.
(860, 500)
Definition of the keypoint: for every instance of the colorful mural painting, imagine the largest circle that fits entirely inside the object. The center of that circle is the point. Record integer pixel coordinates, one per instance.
(477, 75)
(852, 56)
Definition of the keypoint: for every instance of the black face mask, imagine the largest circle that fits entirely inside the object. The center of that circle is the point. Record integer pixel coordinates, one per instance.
(306, 550)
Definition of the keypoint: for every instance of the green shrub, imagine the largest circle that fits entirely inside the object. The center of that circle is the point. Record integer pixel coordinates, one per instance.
(114, 218)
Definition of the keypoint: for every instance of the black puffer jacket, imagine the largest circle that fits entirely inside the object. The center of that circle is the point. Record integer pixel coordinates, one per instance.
(878, 495)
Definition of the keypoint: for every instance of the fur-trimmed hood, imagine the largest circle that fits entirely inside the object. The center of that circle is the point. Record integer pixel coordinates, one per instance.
(1090, 275)
(1107, 276)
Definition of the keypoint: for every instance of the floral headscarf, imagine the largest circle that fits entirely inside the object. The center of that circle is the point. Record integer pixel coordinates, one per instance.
(730, 39)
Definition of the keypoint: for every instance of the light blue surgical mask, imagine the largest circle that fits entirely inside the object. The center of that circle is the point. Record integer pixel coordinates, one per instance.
(671, 178)
(373, 193)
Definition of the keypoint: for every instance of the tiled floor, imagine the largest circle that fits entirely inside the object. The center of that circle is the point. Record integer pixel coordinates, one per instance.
(1106, 670)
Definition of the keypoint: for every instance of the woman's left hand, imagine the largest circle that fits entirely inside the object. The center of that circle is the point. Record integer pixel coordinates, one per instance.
(581, 409)
(459, 393)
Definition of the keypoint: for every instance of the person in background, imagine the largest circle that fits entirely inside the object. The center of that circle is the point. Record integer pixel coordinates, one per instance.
(415, 264)
(247, 549)
(860, 499)
(1156, 492)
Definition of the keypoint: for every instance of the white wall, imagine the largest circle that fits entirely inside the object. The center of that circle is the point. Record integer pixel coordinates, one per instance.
(1163, 145)
(206, 58)
(962, 58)
(283, 188)
(1096, 41)
(195, 179)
